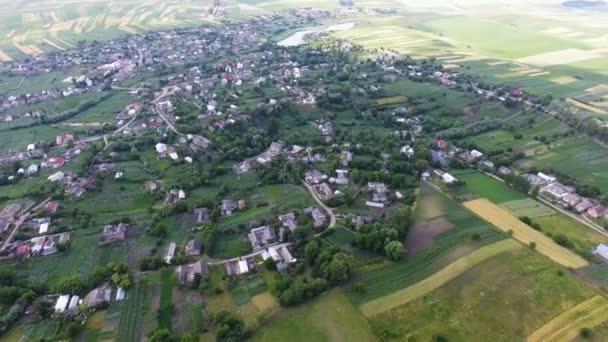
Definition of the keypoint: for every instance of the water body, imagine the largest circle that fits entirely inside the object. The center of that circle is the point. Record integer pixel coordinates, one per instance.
(299, 38)
(584, 4)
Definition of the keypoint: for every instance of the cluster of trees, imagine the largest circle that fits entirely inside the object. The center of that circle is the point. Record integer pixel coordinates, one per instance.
(15, 295)
(329, 267)
(380, 238)
(470, 129)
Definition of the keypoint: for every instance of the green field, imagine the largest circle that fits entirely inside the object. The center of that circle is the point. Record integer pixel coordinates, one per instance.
(527, 207)
(505, 298)
(331, 317)
(583, 237)
(488, 187)
(450, 245)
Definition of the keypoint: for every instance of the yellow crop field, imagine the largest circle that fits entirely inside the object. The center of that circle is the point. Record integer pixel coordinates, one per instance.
(391, 100)
(563, 80)
(567, 326)
(504, 220)
(585, 106)
(436, 280)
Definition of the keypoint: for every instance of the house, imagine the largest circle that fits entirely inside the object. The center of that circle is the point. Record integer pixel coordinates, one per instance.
(201, 215)
(56, 162)
(438, 157)
(64, 139)
(32, 169)
(324, 191)
(289, 221)
(281, 256)
(161, 149)
(571, 199)
(193, 247)
(51, 207)
(62, 303)
(379, 191)
(120, 294)
(554, 191)
(261, 236)
(601, 250)
(341, 179)
(73, 305)
(476, 154)
(448, 178)
(170, 252)
(114, 232)
(596, 211)
(361, 220)
(318, 216)
(583, 205)
(503, 170)
(228, 207)
(488, 164)
(373, 204)
(407, 151)
(99, 296)
(191, 273)
(151, 186)
(546, 178)
(314, 177)
(239, 266)
(346, 157)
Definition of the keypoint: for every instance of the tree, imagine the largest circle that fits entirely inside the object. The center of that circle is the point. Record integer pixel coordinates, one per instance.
(160, 335)
(338, 269)
(394, 250)
(228, 326)
(73, 285)
(192, 336)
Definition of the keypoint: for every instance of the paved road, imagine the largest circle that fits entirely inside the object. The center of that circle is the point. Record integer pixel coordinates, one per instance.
(330, 212)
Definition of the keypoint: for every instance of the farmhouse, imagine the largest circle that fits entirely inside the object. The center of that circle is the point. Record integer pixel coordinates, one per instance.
(261, 236)
(114, 232)
(546, 178)
(554, 191)
(407, 151)
(596, 211)
(374, 204)
(229, 206)
(341, 179)
(571, 199)
(193, 247)
(448, 178)
(289, 221)
(201, 215)
(97, 297)
(191, 273)
(62, 303)
(379, 191)
(583, 205)
(314, 177)
(318, 216)
(239, 266)
(281, 256)
(324, 191)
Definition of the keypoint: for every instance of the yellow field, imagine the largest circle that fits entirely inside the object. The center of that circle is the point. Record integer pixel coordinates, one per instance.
(563, 80)
(391, 100)
(566, 326)
(585, 106)
(504, 220)
(438, 279)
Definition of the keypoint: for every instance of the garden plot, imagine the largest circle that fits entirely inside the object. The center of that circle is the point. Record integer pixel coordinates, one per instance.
(527, 207)
(560, 57)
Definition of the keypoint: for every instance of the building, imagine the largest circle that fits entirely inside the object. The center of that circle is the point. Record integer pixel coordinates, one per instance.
(192, 273)
(476, 154)
(239, 266)
(313, 177)
(289, 221)
(99, 296)
(373, 204)
(318, 216)
(170, 252)
(546, 178)
(596, 211)
(554, 191)
(571, 200)
(261, 236)
(114, 232)
(62, 303)
(193, 247)
(201, 215)
(601, 250)
(583, 205)
(407, 151)
(448, 178)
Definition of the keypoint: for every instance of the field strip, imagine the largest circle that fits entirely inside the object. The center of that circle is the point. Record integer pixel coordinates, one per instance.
(505, 221)
(55, 45)
(4, 57)
(585, 106)
(438, 279)
(566, 326)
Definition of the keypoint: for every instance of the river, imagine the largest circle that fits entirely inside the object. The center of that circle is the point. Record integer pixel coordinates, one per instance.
(299, 38)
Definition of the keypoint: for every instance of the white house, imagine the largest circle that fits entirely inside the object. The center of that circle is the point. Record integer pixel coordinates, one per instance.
(62, 303)
(601, 250)
(448, 178)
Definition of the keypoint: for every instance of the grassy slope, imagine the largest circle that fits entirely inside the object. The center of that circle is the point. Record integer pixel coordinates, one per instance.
(330, 317)
(505, 298)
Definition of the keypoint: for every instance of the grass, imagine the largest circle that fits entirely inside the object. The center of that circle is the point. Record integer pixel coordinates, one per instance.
(582, 236)
(165, 311)
(427, 285)
(331, 317)
(488, 187)
(523, 233)
(247, 288)
(505, 298)
(566, 326)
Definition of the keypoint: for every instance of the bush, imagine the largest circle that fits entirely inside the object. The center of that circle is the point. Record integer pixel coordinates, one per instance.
(586, 333)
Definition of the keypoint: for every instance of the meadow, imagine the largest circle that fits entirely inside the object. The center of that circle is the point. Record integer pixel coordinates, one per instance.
(330, 317)
(504, 298)
(488, 187)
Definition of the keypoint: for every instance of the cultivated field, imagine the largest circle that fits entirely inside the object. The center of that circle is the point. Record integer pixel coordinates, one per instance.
(527, 207)
(566, 326)
(429, 284)
(523, 233)
(485, 186)
(505, 298)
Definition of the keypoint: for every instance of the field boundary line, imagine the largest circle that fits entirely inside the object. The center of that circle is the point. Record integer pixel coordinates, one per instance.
(437, 279)
(566, 326)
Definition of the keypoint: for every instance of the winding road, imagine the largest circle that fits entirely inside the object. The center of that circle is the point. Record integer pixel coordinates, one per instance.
(330, 212)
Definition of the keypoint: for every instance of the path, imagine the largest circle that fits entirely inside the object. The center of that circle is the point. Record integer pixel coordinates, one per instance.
(578, 218)
(332, 216)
